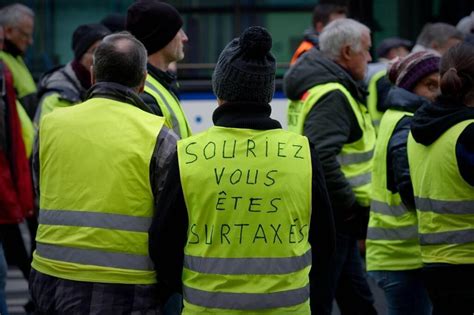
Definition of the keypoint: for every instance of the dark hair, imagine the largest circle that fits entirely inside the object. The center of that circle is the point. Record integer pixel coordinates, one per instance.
(457, 73)
(122, 59)
(322, 11)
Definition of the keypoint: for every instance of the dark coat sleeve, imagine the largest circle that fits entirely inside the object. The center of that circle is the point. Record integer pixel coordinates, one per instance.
(383, 87)
(322, 231)
(465, 154)
(398, 172)
(168, 233)
(329, 125)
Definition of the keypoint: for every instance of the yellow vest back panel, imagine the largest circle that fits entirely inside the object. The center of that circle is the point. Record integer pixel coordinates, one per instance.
(248, 195)
(444, 201)
(96, 199)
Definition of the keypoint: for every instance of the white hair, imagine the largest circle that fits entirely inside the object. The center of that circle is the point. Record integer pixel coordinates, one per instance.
(339, 33)
(11, 15)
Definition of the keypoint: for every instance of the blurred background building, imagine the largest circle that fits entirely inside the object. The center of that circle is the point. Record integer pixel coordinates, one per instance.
(212, 23)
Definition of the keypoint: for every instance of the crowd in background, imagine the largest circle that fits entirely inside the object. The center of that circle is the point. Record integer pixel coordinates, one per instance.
(99, 160)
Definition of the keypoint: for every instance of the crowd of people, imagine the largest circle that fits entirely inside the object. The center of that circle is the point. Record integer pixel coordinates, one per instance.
(129, 212)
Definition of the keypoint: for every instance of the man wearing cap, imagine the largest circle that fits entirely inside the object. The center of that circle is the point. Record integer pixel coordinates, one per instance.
(159, 27)
(100, 166)
(67, 85)
(246, 239)
(377, 83)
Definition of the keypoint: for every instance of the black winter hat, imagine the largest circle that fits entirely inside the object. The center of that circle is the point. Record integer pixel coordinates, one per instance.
(85, 36)
(115, 22)
(246, 68)
(154, 23)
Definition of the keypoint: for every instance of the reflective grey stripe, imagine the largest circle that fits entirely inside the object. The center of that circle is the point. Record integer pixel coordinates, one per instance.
(451, 237)
(174, 120)
(404, 233)
(353, 158)
(246, 301)
(242, 266)
(94, 257)
(376, 122)
(384, 208)
(360, 180)
(94, 219)
(444, 207)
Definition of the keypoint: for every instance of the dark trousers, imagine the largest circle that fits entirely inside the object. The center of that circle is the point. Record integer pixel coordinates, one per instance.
(345, 280)
(14, 248)
(451, 288)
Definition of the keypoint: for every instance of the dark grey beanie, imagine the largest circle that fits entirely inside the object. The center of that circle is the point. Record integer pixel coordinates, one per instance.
(246, 68)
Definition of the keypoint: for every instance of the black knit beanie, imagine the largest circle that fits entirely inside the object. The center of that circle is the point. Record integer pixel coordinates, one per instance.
(85, 36)
(246, 68)
(115, 22)
(154, 23)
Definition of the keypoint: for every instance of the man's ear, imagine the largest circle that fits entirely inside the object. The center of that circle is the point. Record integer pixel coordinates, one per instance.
(92, 75)
(346, 52)
(8, 30)
(434, 45)
(141, 87)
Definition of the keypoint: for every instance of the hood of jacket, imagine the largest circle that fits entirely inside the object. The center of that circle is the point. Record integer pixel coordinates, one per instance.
(433, 119)
(313, 69)
(403, 100)
(64, 81)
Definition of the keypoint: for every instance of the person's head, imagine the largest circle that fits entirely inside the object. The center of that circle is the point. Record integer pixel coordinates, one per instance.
(417, 73)
(466, 24)
(347, 42)
(393, 47)
(159, 27)
(18, 23)
(85, 40)
(245, 70)
(439, 37)
(120, 58)
(325, 13)
(115, 22)
(457, 74)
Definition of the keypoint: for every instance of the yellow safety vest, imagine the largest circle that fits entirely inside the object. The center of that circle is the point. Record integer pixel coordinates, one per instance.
(392, 236)
(96, 200)
(248, 196)
(372, 99)
(23, 81)
(444, 201)
(170, 107)
(27, 129)
(355, 158)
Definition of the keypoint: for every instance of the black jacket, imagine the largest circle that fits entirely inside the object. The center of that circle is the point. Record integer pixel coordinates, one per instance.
(330, 124)
(168, 232)
(432, 120)
(398, 172)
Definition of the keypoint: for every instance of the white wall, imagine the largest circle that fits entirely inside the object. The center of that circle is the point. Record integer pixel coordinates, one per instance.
(199, 112)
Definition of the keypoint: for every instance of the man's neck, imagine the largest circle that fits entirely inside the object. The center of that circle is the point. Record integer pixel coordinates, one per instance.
(158, 61)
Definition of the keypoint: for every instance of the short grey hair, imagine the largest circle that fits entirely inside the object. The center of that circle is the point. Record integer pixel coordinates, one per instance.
(438, 33)
(341, 32)
(12, 14)
(120, 58)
